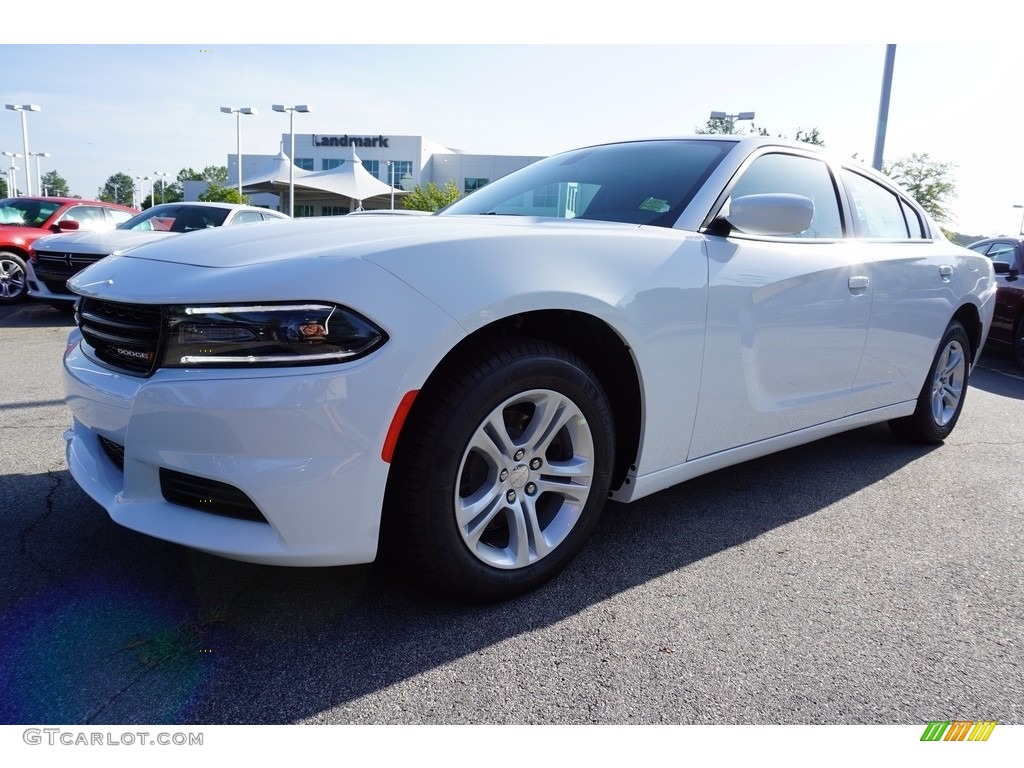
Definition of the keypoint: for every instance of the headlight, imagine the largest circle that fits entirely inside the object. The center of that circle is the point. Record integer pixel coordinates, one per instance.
(267, 335)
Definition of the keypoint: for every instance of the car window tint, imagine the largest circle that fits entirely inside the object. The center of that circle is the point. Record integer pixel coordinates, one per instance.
(792, 174)
(878, 212)
(89, 217)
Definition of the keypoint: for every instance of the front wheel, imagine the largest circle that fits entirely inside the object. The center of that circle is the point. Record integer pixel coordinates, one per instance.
(503, 470)
(13, 287)
(942, 397)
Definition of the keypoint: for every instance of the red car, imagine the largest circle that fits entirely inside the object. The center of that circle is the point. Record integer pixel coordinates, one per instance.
(1007, 254)
(23, 220)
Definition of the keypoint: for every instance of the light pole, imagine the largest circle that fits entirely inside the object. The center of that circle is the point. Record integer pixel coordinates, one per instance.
(732, 118)
(23, 108)
(39, 178)
(238, 112)
(163, 185)
(142, 192)
(291, 166)
(391, 171)
(1020, 229)
(12, 178)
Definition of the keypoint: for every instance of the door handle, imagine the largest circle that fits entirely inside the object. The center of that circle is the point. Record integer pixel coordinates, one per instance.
(859, 283)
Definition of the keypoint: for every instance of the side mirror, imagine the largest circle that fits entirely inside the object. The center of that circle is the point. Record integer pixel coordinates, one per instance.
(770, 214)
(65, 225)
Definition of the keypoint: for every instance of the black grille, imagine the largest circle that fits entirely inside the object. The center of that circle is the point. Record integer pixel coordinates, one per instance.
(208, 496)
(124, 336)
(114, 451)
(54, 269)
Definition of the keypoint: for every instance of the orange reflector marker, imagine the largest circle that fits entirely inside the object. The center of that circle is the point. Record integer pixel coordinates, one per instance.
(391, 440)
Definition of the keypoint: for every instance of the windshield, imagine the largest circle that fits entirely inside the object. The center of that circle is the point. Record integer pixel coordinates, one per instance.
(26, 212)
(176, 217)
(644, 182)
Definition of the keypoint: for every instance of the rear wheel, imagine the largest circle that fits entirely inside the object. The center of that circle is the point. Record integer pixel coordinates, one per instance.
(942, 397)
(12, 278)
(503, 470)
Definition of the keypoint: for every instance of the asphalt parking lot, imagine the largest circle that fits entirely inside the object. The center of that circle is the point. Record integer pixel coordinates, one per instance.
(854, 580)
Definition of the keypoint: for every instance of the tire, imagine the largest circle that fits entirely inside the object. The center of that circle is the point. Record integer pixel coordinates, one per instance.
(942, 396)
(13, 285)
(502, 471)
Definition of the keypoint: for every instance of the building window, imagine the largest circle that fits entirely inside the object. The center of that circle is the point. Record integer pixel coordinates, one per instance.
(546, 196)
(474, 184)
(372, 167)
(333, 210)
(303, 211)
(402, 169)
(330, 163)
(305, 163)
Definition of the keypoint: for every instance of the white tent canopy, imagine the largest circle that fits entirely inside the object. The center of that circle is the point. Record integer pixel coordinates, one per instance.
(349, 179)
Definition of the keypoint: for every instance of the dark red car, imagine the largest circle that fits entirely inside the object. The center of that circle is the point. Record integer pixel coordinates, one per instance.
(1007, 254)
(23, 220)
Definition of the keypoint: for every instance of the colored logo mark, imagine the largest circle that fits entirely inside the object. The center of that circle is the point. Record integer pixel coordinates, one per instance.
(958, 730)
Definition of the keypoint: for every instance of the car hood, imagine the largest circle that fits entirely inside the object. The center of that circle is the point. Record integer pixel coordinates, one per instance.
(98, 242)
(372, 237)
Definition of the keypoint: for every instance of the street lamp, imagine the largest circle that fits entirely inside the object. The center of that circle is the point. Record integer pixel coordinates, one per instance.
(12, 179)
(291, 166)
(39, 179)
(142, 192)
(732, 118)
(391, 172)
(238, 112)
(1020, 229)
(23, 108)
(163, 185)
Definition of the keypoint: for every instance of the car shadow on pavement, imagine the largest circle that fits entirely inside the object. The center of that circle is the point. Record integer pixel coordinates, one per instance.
(33, 314)
(106, 626)
(997, 373)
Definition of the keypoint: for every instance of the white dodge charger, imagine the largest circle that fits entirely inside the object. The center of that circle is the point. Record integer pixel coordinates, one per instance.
(467, 389)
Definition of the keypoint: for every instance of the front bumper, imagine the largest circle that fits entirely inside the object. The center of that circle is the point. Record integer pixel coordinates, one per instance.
(37, 289)
(302, 444)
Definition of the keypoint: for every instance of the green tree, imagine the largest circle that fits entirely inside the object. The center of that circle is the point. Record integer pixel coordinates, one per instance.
(928, 181)
(217, 193)
(728, 126)
(118, 188)
(55, 185)
(3, 187)
(431, 197)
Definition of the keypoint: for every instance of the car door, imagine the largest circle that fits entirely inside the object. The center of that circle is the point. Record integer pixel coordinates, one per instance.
(917, 280)
(787, 315)
(1010, 293)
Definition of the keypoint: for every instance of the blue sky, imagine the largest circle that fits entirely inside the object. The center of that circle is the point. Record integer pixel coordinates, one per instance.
(139, 108)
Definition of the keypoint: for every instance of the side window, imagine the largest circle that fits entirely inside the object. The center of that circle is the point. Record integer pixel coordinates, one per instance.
(879, 212)
(1003, 252)
(119, 217)
(793, 174)
(89, 217)
(245, 217)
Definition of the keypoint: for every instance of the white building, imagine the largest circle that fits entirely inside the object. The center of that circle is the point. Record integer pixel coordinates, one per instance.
(320, 160)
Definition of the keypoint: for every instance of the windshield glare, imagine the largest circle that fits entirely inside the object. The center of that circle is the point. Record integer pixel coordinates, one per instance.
(176, 217)
(27, 212)
(645, 182)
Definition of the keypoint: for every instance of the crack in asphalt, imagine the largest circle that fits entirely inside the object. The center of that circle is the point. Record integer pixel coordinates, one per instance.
(48, 509)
